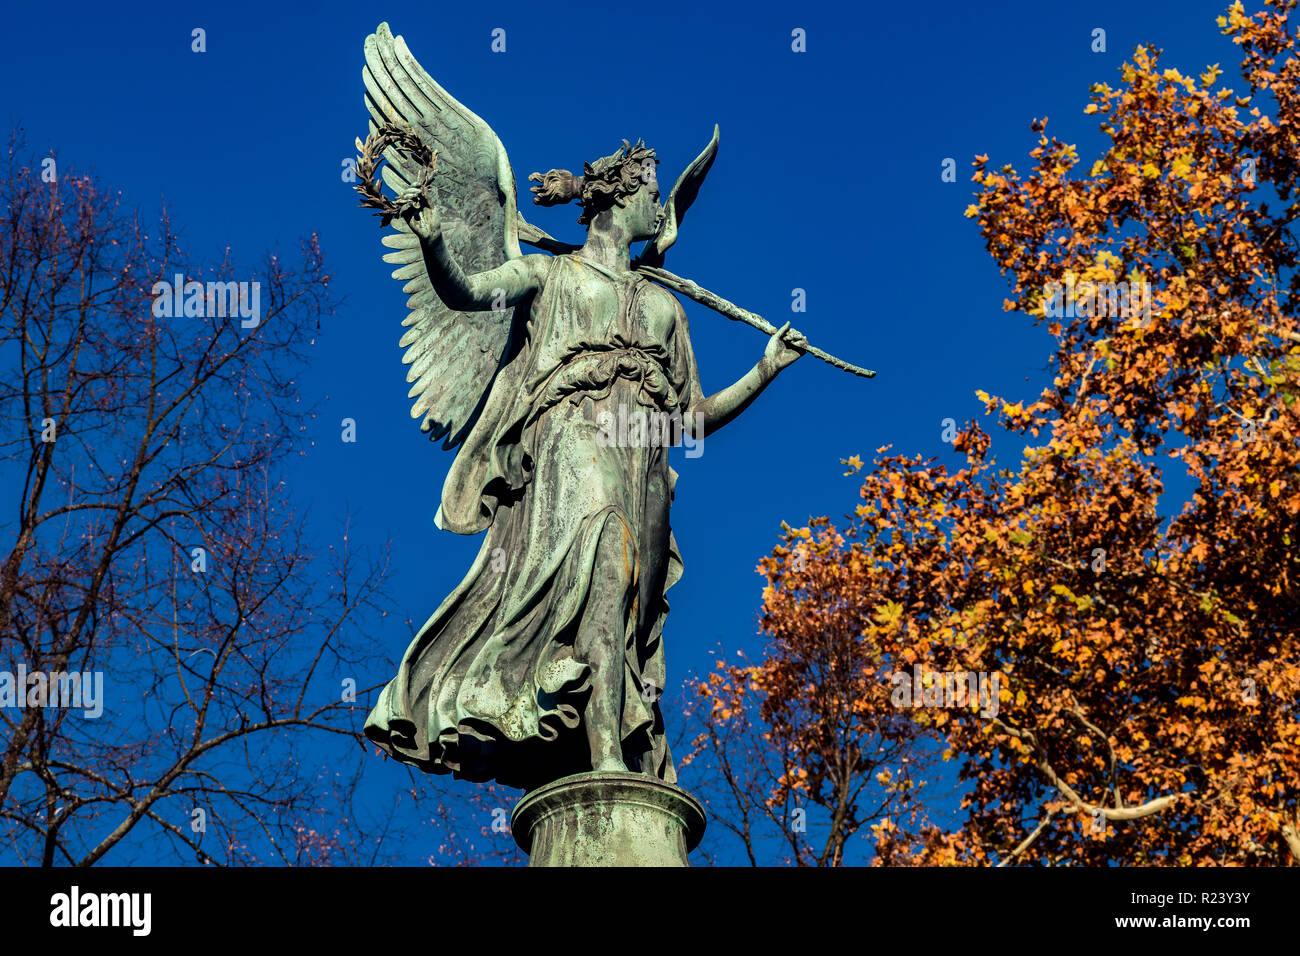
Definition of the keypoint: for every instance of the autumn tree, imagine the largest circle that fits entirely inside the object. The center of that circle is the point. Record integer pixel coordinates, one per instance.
(1134, 578)
(797, 755)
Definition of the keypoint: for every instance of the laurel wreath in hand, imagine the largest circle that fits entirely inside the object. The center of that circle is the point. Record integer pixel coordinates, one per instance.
(372, 153)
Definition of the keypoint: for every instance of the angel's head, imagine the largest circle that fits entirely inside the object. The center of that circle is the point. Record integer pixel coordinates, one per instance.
(619, 190)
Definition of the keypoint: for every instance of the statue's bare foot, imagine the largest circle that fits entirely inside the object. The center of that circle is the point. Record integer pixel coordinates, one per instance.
(610, 763)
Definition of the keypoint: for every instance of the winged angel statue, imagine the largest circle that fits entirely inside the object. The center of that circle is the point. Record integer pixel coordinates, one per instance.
(547, 659)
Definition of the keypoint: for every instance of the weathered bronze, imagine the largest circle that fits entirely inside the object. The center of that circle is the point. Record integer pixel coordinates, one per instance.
(547, 660)
(608, 819)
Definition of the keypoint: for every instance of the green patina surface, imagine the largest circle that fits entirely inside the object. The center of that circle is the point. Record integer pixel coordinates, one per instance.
(547, 660)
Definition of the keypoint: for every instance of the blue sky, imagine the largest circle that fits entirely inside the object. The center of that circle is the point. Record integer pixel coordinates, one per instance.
(827, 179)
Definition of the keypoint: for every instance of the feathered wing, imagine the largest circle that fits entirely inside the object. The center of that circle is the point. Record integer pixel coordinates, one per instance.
(680, 199)
(453, 356)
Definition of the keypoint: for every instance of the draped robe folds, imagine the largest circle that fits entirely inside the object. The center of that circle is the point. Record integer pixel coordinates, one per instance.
(495, 683)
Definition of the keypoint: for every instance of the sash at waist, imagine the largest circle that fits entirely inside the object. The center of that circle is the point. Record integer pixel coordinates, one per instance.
(591, 370)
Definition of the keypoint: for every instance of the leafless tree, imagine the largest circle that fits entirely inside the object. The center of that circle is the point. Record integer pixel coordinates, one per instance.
(155, 547)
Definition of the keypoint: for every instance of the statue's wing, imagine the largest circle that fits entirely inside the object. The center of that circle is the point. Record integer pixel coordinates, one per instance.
(542, 239)
(453, 355)
(680, 198)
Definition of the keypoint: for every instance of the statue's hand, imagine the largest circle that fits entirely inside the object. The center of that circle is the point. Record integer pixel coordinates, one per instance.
(784, 347)
(419, 214)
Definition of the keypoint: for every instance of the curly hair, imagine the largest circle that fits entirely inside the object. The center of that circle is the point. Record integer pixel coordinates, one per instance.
(606, 182)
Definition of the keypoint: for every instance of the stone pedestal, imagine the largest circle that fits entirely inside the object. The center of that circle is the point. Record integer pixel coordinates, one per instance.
(608, 819)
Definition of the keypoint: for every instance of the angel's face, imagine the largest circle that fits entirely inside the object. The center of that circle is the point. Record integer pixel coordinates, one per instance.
(642, 212)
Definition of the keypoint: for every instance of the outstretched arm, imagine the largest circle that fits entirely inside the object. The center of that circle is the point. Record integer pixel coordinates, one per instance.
(783, 348)
(496, 288)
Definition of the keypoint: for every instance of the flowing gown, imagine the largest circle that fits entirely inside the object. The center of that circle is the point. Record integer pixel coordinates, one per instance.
(495, 684)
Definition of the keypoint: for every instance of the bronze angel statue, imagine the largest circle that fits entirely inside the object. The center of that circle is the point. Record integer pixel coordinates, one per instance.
(547, 659)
